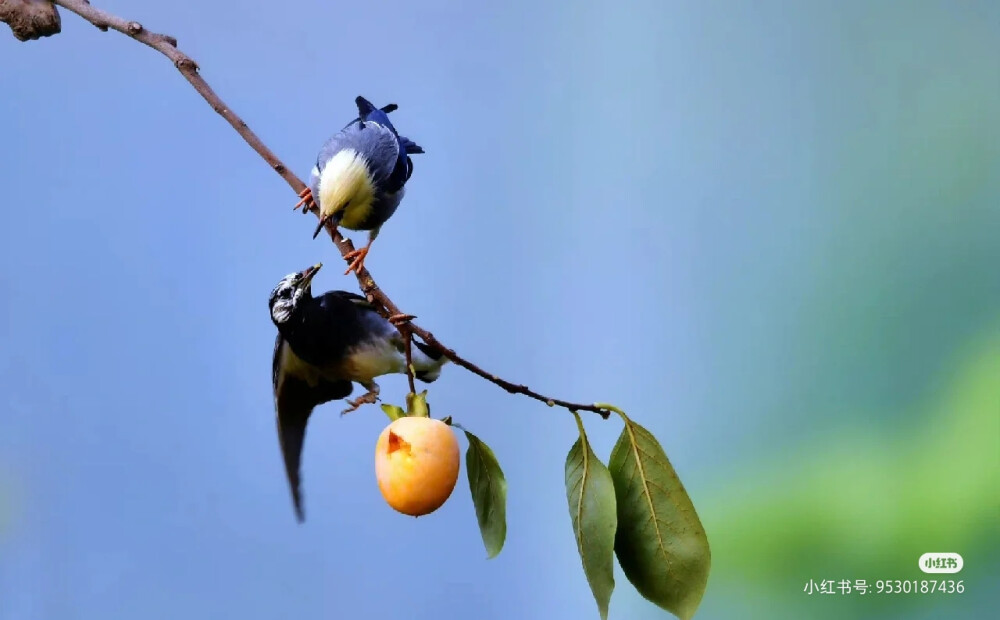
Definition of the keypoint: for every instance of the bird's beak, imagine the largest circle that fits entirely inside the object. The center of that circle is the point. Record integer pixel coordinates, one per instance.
(334, 219)
(308, 275)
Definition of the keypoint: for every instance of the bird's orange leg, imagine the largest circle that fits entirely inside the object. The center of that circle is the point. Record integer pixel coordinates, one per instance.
(357, 258)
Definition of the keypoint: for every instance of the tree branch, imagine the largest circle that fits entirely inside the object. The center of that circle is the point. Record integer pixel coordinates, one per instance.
(167, 46)
(30, 19)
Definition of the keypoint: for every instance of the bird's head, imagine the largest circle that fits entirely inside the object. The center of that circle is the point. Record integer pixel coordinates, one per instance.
(292, 289)
(346, 189)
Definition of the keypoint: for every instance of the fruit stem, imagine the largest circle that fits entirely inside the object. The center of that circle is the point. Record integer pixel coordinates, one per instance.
(416, 405)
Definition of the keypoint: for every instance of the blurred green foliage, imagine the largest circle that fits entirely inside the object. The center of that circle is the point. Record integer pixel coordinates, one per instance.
(867, 502)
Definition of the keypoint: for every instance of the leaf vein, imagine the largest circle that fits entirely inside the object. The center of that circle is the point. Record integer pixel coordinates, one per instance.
(585, 453)
(645, 490)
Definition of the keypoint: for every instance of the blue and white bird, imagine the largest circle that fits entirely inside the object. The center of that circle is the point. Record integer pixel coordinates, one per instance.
(360, 175)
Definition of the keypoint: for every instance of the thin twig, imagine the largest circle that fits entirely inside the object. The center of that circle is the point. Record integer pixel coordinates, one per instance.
(513, 388)
(167, 46)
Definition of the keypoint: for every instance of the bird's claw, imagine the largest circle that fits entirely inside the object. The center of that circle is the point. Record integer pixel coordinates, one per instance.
(368, 398)
(307, 200)
(357, 258)
(399, 319)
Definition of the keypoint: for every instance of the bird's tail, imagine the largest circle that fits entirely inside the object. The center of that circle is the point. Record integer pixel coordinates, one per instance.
(411, 147)
(368, 112)
(367, 109)
(427, 362)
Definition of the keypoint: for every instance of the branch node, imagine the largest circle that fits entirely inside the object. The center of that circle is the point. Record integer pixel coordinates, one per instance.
(134, 28)
(186, 64)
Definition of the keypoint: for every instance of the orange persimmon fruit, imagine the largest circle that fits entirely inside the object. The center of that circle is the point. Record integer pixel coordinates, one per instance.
(416, 464)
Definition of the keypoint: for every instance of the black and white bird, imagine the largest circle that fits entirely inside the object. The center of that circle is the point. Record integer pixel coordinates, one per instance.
(324, 345)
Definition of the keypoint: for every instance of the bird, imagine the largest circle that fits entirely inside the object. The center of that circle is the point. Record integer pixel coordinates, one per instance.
(359, 176)
(324, 345)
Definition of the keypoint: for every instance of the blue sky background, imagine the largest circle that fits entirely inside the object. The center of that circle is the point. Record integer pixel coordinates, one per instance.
(761, 230)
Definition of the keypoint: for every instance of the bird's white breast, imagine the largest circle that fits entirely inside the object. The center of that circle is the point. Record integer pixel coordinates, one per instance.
(295, 366)
(373, 359)
(345, 179)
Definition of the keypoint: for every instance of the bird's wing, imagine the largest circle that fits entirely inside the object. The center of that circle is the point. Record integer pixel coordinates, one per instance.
(372, 322)
(333, 145)
(294, 400)
(355, 299)
(381, 149)
(409, 168)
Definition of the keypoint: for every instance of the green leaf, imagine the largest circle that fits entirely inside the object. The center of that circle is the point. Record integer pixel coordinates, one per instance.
(489, 493)
(591, 496)
(393, 412)
(661, 544)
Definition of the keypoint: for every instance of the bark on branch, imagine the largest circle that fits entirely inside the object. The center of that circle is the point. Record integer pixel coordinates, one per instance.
(34, 13)
(30, 19)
